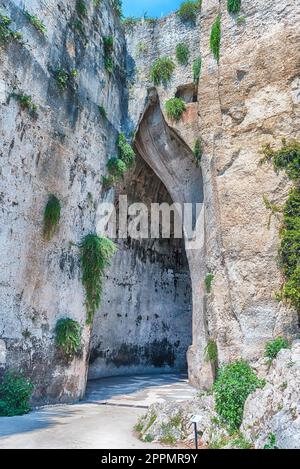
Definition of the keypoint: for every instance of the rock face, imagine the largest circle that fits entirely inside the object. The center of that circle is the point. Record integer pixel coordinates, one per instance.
(249, 99)
(275, 409)
(154, 295)
(272, 410)
(62, 151)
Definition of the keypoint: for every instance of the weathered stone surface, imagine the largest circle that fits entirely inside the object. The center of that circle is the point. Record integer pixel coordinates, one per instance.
(63, 151)
(275, 409)
(271, 410)
(251, 98)
(171, 422)
(246, 101)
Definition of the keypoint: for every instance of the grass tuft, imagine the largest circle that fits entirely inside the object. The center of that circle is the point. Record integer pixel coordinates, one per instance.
(198, 151)
(108, 46)
(274, 346)
(188, 10)
(182, 53)
(197, 69)
(36, 23)
(96, 253)
(68, 336)
(175, 107)
(215, 38)
(234, 6)
(208, 282)
(51, 217)
(162, 70)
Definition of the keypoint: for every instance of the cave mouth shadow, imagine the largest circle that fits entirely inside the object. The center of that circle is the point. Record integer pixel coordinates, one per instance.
(146, 320)
(145, 325)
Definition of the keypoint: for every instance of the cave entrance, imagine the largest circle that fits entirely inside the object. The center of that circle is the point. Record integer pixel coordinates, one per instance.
(145, 325)
(153, 308)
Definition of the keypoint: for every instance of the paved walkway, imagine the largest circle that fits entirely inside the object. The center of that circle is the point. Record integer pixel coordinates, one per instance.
(104, 420)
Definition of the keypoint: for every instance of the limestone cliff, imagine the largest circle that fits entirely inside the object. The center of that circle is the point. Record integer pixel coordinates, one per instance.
(153, 291)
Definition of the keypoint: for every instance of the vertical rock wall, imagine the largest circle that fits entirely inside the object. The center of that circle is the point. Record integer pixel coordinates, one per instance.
(250, 98)
(63, 151)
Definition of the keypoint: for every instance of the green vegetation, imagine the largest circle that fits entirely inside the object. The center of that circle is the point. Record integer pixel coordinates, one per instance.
(162, 70)
(68, 336)
(234, 6)
(15, 393)
(241, 20)
(63, 77)
(51, 217)
(285, 158)
(175, 107)
(81, 8)
(236, 441)
(108, 45)
(149, 438)
(208, 282)
(139, 426)
(198, 151)
(102, 112)
(117, 6)
(288, 158)
(197, 69)
(176, 421)
(215, 38)
(97, 3)
(239, 441)
(274, 346)
(182, 53)
(6, 34)
(188, 10)
(126, 152)
(211, 352)
(274, 209)
(96, 253)
(167, 437)
(79, 27)
(107, 181)
(271, 444)
(116, 167)
(36, 22)
(141, 48)
(26, 103)
(219, 443)
(152, 419)
(130, 22)
(235, 382)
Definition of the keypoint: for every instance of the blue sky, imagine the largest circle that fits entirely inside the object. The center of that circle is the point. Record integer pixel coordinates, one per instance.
(154, 8)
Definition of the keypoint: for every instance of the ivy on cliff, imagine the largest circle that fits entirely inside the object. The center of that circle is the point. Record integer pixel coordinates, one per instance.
(287, 158)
